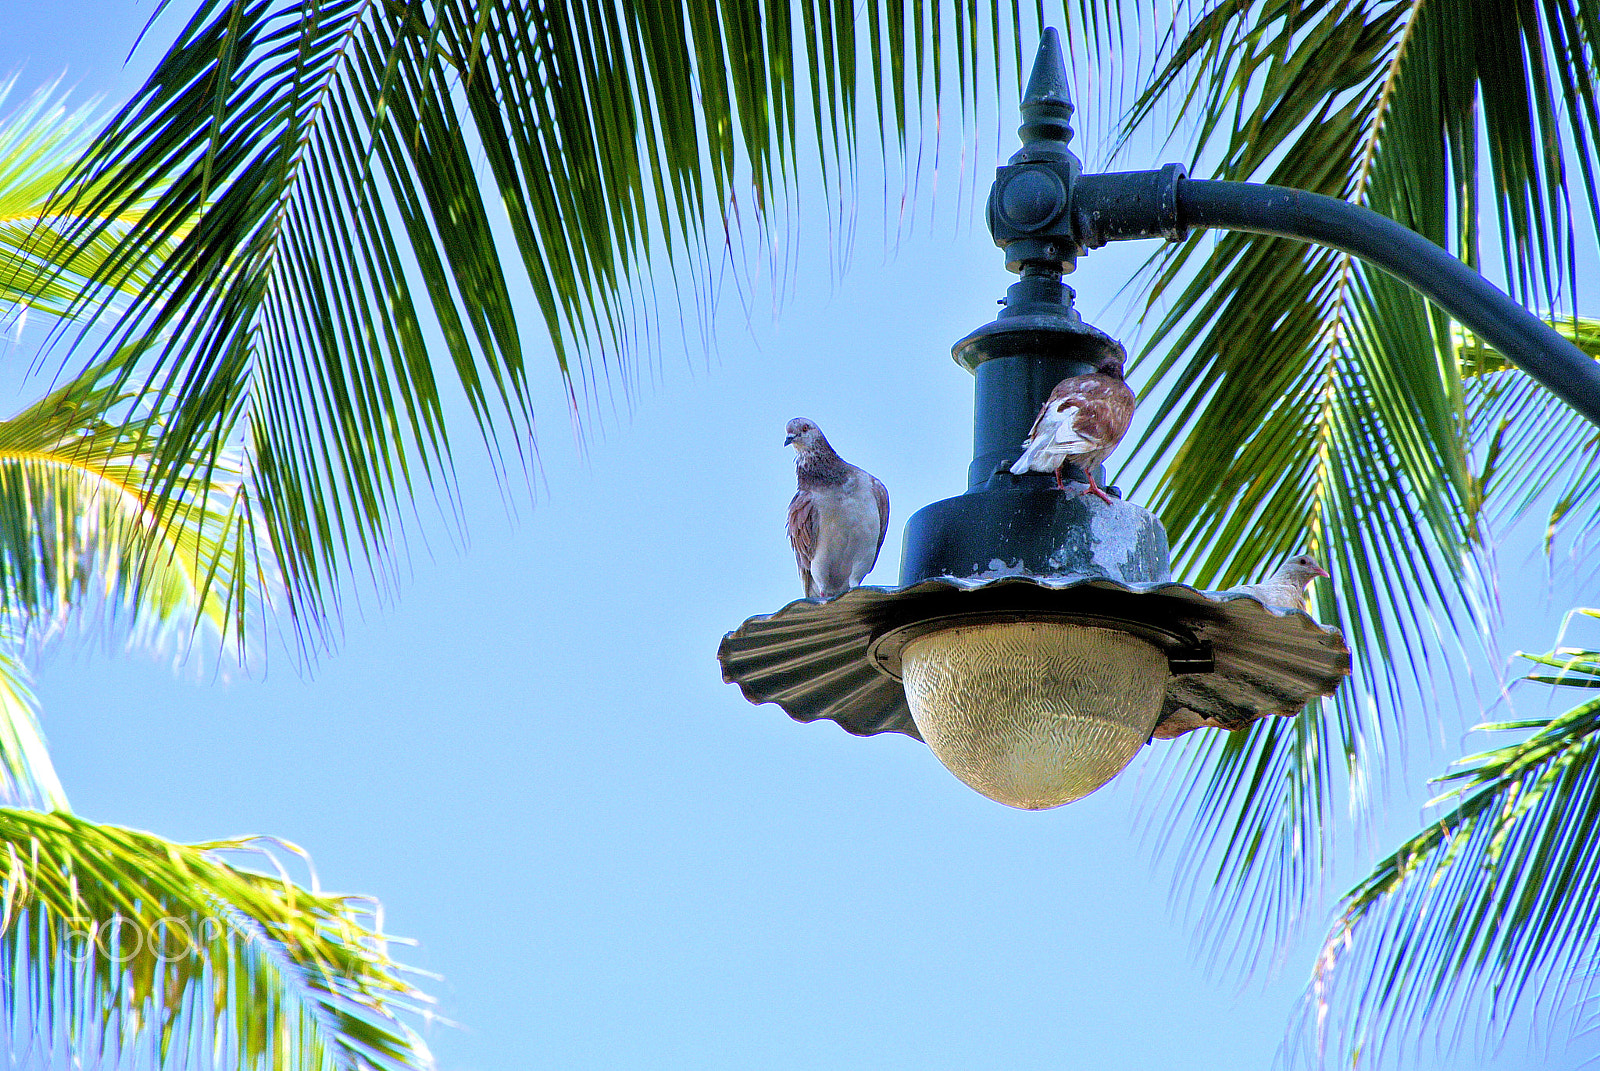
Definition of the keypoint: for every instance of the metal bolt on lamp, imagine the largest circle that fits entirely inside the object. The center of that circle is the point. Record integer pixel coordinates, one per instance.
(1037, 640)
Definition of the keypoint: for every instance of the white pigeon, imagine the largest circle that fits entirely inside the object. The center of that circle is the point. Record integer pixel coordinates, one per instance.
(1287, 586)
(837, 518)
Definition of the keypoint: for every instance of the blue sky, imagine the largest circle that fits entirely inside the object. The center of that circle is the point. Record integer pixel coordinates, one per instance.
(610, 857)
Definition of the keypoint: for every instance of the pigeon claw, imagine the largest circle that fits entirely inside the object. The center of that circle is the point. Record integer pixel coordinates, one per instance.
(1094, 489)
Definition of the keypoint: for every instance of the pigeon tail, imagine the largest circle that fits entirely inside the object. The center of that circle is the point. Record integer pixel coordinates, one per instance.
(1025, 462)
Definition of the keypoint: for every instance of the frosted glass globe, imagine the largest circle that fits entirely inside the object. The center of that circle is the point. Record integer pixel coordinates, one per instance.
(1034, 714)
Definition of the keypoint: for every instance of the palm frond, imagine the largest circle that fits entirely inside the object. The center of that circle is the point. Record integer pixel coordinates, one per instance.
(347, 164)
(118, 942)
(1531, 447)
(330, 152)
(1302, 401)
(87, 536)
(1252, 802)
(41, 143)
(27, 776)
(1499, 893)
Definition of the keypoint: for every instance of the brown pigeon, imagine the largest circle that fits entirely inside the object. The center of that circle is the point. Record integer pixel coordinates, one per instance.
(838, 517)
(1083, 420)
(1287, 586)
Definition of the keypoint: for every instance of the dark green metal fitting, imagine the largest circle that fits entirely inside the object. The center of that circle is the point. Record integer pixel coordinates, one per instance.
(1030, 201)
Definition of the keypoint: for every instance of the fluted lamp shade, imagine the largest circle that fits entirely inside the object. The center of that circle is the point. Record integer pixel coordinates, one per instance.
(1034, 714)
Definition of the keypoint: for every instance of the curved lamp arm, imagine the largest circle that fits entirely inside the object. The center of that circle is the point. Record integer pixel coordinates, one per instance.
(1472, 300)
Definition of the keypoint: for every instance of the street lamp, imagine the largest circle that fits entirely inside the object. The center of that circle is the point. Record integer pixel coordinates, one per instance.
(1037, 640)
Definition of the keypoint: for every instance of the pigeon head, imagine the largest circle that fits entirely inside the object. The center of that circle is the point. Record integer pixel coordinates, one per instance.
(1111, 363)
(804, 436)
(1302, 569)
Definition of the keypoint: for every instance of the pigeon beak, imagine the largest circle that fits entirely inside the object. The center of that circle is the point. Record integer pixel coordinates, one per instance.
(789, 440)
(1324, 573)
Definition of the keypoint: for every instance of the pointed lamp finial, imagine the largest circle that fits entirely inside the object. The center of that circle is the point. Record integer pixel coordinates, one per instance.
(1046, 106)
(1048, 82)
(1029, 204)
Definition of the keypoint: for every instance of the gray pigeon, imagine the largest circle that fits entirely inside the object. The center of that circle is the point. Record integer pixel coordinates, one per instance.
(838, 517)
(1287, 586)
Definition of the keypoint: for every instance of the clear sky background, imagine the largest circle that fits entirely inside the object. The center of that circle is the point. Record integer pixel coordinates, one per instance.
(612, 859)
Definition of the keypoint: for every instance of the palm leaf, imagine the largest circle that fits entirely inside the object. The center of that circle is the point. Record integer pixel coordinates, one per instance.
(121, 943)
(87, 538)
(347, 163)
(1335, 394)
(1532, 450)
(116, 941)
(27, 777)
(40, 145)
(329, 151)
(1501, 890)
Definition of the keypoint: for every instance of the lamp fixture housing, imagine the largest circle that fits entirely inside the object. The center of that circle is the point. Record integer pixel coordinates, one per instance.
(1037, 640)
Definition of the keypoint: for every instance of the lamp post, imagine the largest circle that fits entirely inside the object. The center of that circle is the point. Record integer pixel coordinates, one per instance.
(1037, 640)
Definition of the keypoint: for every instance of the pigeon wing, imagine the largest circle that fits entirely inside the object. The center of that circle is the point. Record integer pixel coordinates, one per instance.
(1069, 434)
(880, 494)
(803, 535)
(1100, 417)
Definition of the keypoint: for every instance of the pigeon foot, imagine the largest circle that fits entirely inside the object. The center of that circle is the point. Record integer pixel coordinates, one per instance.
(1094, 489)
